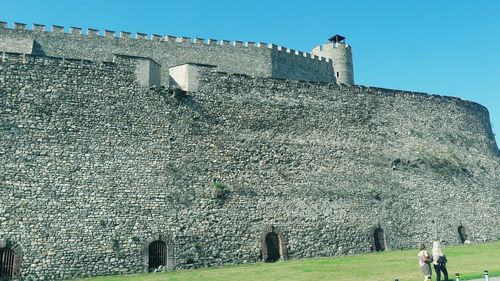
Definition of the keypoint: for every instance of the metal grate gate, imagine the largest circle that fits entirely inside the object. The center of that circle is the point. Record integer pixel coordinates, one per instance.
(157, 254)
(6, 263)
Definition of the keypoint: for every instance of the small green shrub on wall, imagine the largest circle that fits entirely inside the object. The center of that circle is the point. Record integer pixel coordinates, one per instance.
(219, 185)
(218, 190)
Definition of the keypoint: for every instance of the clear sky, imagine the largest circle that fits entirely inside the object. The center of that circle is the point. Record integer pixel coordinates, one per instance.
(445, 47)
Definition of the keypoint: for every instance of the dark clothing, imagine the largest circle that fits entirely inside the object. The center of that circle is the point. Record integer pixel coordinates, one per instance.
(439, 269)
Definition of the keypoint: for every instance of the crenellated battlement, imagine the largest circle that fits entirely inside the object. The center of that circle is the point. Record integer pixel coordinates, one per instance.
(330, 46)
(126, 35)
(51, 60)
(23, 58)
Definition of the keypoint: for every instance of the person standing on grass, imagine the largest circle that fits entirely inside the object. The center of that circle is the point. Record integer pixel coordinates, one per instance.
(439, 261)
(424, 261)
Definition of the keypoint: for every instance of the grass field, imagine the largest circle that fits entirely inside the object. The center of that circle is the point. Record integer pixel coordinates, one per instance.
(470, 261)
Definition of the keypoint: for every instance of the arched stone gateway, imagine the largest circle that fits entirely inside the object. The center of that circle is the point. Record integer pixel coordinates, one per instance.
(462, 233)
(158, 252)
(10, 260)
(273, 245)
(379, 239)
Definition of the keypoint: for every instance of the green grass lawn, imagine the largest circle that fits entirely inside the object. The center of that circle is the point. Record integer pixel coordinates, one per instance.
(470, 261)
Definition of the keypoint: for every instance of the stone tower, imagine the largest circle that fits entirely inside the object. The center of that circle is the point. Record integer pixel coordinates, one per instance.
(340, 54)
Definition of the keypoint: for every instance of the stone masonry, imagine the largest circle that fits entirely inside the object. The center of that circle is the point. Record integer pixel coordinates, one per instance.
(96, 167)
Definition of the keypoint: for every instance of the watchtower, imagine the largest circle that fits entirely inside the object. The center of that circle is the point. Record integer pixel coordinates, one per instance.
(340, 53)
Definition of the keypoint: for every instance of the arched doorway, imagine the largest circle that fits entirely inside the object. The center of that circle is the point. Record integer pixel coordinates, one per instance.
(462, 234)
(6, 263)
(379, 239)
(11, 255)
(273, 247)
(157, 252)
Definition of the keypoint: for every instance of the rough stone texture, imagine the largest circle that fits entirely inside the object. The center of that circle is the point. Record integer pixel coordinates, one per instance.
(19, 45)
(298, 67)
(94, 167)
(253, 60)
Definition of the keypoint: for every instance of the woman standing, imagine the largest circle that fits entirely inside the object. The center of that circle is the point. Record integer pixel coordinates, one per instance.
(424, 261)
(439, 261)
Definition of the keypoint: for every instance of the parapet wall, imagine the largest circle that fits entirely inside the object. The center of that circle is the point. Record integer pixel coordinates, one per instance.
(255, 59)
(95, 167)
(23, 58)
(146, 71)
(286, 65)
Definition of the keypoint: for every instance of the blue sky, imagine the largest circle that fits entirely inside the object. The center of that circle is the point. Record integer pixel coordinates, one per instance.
(445, 47)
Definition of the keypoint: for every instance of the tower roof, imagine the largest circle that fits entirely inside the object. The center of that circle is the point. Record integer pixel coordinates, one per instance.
(336, 38)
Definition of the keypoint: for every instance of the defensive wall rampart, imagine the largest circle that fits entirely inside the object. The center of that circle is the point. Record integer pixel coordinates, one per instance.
(96, 167)
(255, 59)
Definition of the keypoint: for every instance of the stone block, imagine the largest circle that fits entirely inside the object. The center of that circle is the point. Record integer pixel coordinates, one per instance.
(109, 34)
(186, 76)
(199, 40)
(141, 36)
(19, 26)
(57, 29)
(147, 72)
(39, 27)
(92, 32)
(75, 30)
(125, 35)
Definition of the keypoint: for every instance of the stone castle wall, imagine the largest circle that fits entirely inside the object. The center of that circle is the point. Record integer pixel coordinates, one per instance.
(95, 167)
(263, 60)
